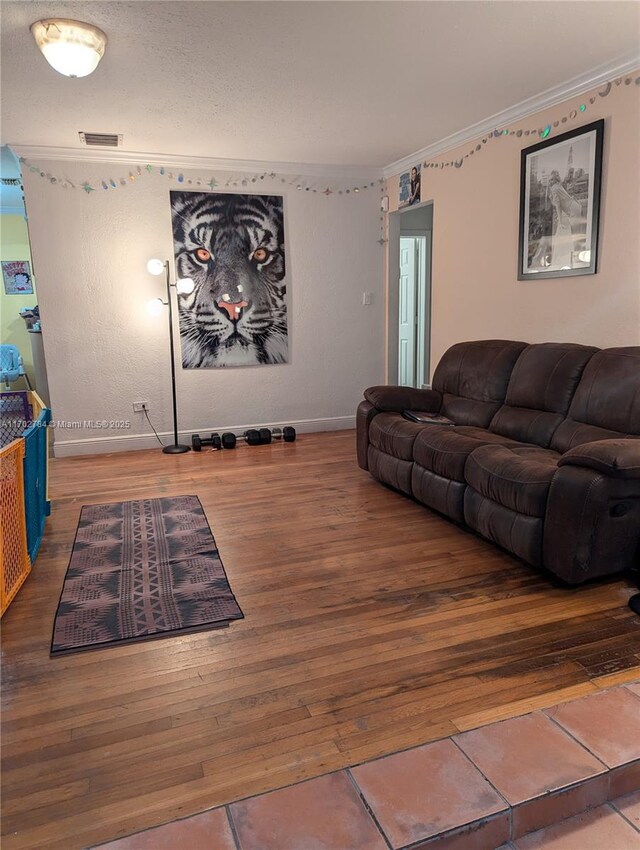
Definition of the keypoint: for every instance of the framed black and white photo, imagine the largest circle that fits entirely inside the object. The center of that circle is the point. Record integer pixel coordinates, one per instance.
(560, 204)
(409, 187)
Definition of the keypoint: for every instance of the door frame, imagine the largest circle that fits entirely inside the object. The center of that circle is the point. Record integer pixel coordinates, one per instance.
(424, 332)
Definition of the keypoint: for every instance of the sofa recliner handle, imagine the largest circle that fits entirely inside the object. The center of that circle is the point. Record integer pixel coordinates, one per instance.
(619, 458)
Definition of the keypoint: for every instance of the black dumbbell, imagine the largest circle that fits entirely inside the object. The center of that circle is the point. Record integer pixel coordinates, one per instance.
(288, 434)
(252, 437)
(228, 440)
(197, 442)
(257, 437)
(265, 436)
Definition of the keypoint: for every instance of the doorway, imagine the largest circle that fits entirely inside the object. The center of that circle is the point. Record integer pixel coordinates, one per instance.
(20, 328)
(410, 296)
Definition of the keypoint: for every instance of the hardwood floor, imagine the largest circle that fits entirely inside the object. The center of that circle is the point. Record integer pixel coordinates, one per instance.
(371, 625)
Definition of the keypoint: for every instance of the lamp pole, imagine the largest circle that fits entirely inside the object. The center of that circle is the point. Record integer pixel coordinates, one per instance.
(176, 448)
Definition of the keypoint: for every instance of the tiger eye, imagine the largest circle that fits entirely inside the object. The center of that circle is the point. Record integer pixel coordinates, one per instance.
(203, 254)
(260, 255)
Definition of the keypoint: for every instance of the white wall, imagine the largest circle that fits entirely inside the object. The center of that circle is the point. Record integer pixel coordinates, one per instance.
(104, 351)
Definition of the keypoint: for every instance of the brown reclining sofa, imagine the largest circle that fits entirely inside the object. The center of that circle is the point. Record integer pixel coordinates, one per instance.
(542, 456)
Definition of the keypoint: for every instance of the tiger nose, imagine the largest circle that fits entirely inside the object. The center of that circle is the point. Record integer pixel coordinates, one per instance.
(233, 308)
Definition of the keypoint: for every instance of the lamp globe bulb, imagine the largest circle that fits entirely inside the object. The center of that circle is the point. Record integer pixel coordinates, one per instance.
(154, 307)
(155, 266)
(185, 285)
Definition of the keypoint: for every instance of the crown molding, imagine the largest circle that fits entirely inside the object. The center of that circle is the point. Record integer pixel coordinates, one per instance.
(571, 88)
(202, 163)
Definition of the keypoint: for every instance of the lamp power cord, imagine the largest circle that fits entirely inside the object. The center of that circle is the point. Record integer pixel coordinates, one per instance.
(146, 413)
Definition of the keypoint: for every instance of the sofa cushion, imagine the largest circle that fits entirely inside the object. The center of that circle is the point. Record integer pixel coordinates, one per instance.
(441, 494)
(444, 450)
(394, 435)
(606, 404)
(518, 533)
(473, 377)
(540, 390)
(390, 470)
(517, 477)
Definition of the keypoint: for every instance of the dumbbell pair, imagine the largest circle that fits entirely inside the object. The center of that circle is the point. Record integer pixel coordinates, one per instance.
(226, 441)
(263, 436)
(253, 437)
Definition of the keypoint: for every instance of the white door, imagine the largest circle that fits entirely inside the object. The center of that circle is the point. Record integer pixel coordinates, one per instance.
(423, 308)
(407, 313)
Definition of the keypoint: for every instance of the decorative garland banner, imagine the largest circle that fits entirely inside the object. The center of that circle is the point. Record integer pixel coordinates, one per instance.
(231, 182)
(137, 171)
(542, 131)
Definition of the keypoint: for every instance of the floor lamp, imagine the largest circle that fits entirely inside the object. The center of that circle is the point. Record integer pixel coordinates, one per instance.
(184, 286)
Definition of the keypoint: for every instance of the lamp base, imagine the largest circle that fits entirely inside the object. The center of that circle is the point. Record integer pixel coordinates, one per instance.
(176, 450)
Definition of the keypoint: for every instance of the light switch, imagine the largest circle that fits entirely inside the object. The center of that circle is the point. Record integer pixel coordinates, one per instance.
(367, 298)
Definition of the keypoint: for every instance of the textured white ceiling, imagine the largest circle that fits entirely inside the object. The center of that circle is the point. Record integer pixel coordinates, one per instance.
(360, 83)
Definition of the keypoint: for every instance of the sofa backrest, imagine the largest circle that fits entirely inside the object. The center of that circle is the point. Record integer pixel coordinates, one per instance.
(606, 404)
(473, 377)
(540, 391)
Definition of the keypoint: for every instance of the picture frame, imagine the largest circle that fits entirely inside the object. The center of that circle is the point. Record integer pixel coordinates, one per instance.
(16, 276)
(410, 187)
(560, 190)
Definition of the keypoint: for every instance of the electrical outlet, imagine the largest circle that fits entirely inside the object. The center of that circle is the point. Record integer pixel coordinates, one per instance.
(140, 406)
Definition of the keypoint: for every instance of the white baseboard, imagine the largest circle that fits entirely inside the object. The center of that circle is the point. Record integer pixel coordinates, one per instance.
(136, 442)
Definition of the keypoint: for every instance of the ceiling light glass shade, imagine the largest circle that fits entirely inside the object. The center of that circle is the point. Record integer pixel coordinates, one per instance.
(71, 47)
(185, 285)
(154, 307)
(155, 266)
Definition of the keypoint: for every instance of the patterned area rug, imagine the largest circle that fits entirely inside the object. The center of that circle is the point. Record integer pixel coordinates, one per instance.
(138, 570)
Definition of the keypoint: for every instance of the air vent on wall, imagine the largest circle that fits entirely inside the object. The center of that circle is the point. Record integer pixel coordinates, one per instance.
(101, 140)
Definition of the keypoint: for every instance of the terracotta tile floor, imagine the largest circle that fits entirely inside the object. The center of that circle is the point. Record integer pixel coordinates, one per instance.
(425, 791)
(588, 720)
(548, 780)
(328, 810)
(208, 831)
(598, 829)
(541, 772)
(630, 808)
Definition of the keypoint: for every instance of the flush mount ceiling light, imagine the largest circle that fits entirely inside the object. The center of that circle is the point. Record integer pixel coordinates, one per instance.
(71, 47)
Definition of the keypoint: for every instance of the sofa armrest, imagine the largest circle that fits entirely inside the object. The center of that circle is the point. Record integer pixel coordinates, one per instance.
(617, 458)
(389, 398)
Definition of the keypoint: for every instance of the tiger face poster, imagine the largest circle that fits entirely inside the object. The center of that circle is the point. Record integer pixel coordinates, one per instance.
(233, 248)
